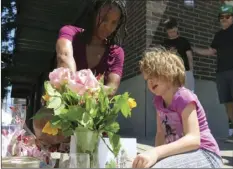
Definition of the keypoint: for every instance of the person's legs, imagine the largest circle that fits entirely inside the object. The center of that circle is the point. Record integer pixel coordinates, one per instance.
(229, 105)
(194, 159)
(224, 81)
(229, 109)
(189, 80)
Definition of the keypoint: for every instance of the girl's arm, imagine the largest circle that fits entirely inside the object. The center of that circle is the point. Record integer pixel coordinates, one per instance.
(191, 139)
(160, 137)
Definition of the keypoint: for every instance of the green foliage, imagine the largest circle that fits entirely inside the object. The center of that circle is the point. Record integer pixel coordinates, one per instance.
(93, 111)
(8, 27)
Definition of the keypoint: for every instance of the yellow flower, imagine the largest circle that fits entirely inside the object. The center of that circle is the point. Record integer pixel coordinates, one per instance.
(46, 97)
(48, 129)
(132, 103)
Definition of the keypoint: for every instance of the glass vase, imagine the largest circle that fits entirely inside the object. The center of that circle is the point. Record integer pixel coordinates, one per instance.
(87, 141)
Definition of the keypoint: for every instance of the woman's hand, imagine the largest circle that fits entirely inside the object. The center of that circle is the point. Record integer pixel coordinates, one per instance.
(109, 90)
(145, 160)
(64, 50)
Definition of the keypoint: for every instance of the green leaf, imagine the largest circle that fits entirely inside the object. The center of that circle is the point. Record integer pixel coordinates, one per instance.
(110, 119)
(107, 120)
(125, 110)
(60, 110)
(111, 164)
(90, 103)
(54, 102)
(42, 113)
(39, 116)
(75, 113)
(67, 98)
(119, 101)
(116, 97)
(85, 96)
(62, 113)
(114, 127)
(68, 132)
(103, 101)
(65, 125)
(71, 98)
(86, 119)
(115, 142)
(93, 112)
(121, 104)
(106, 102)
(56, 121)
(50, 90)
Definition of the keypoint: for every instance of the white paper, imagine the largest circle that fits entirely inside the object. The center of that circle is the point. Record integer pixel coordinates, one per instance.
(128, 151)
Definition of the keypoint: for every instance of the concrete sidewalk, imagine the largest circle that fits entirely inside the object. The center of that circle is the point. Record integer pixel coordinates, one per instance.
(226, 150)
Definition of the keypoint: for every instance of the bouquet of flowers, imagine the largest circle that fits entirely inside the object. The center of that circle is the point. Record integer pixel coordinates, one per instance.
(81, 102)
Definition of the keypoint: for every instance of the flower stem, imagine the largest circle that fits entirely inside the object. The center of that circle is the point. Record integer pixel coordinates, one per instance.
(107, 145)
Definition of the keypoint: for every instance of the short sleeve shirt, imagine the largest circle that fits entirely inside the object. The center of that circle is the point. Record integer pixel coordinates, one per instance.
(111, 62)
(223, 43)
(171, 118)
(180, 44)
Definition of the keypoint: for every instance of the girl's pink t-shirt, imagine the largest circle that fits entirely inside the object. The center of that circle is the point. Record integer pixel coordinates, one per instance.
(171, 119)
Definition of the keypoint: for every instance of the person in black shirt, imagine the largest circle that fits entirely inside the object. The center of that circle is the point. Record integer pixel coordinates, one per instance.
(222, 45)
(180, 46)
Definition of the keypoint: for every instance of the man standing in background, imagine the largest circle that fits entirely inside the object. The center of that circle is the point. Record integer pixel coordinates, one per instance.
(182, 48)
(222, 45)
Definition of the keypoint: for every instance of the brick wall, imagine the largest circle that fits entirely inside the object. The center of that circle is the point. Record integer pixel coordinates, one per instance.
(135, 43)
(197, 24)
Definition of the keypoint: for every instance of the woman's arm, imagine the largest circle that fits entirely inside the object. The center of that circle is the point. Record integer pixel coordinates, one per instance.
(64, 51)
(113, 83)
(116, 70)
(160, 137)
(191, 139)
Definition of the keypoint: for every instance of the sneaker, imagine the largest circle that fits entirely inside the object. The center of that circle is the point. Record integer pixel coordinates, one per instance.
(229, 139)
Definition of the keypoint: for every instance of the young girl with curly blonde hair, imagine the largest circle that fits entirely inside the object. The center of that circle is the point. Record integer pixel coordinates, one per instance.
(183, 138)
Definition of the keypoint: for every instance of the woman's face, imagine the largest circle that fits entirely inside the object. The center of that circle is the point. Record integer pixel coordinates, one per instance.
(106, 21)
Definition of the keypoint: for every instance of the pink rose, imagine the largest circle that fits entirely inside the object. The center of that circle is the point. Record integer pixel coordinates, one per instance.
(83, 80)
(60, 76)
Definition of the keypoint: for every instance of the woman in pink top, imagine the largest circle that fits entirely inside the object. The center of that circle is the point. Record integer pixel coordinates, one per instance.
(96, 47)
(183, 138)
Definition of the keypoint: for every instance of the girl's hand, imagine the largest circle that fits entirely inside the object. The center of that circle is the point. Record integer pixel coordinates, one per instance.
(145, 160)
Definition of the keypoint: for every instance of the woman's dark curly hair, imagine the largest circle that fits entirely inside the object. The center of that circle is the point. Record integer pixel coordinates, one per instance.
(118, 36)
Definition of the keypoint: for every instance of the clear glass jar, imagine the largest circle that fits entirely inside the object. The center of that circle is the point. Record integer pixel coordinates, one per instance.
(20, 162)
